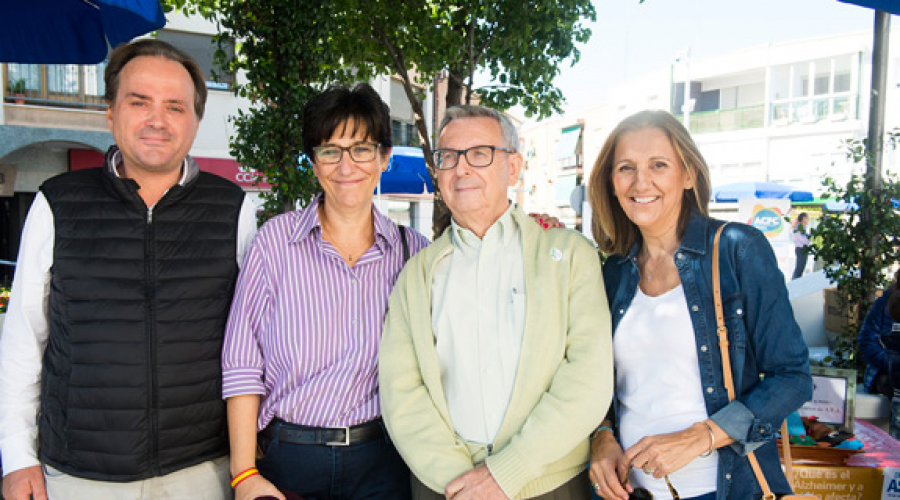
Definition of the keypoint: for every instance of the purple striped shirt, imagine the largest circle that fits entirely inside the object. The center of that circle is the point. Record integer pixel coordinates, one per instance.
(304, 327)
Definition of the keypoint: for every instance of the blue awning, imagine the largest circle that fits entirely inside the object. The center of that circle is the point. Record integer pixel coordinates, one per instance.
(891, 6)
(750, 190)
(407, 173)
(73, 31)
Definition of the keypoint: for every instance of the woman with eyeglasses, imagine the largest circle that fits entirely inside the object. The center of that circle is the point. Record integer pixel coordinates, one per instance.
(672, 426)
(301, 345)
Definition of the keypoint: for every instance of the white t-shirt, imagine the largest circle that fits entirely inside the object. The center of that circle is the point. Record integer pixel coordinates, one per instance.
(658, 385)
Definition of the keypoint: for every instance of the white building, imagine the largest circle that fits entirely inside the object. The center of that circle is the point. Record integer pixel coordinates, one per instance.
(777, 113)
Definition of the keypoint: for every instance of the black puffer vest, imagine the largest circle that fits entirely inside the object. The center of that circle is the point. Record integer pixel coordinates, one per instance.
(131, 381)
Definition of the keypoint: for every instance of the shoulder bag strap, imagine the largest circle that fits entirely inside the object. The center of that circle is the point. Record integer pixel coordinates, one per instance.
(403, 242)
(722, 332)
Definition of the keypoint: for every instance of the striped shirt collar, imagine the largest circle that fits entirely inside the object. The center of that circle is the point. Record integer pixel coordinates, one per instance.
(308, 224)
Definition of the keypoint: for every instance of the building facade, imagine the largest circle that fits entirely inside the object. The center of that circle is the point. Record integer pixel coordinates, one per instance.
(776, 113)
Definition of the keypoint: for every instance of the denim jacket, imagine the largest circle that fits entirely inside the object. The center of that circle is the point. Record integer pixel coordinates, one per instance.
(763, 336)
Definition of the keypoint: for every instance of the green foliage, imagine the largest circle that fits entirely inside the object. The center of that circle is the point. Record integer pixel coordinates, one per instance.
(289, 48)
(859, 245)
(282, 57)
(17, 86)
(520, 44)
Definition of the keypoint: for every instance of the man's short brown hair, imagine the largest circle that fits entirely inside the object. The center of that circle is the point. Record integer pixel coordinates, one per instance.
(151, 47)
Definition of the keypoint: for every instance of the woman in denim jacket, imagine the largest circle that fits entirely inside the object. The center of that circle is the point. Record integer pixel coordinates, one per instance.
(672, 420)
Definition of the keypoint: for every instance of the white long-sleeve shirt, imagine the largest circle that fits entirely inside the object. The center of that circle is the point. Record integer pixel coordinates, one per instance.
(25, 331)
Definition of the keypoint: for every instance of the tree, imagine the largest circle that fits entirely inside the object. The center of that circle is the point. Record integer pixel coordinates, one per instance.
(519, 44)
(291, 47)
(282, 50)
(859, 245)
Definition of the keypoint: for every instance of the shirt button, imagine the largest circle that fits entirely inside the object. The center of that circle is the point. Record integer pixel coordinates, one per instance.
(740, 311)
(703, 348)
(695, 308)
(709, 390)
(728, 477)
(680, 255)
(621, 311)
(353, 322)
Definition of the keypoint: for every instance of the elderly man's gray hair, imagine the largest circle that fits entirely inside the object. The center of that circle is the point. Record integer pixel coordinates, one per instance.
(510, 136)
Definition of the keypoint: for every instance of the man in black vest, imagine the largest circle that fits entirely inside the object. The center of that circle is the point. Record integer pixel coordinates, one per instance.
(110, 378)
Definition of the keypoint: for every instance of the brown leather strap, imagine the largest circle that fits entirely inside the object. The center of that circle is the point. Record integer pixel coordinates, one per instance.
(722, 332)
(786, 452)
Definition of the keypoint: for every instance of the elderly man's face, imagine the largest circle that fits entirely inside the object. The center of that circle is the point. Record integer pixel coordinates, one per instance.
(477, 196)
(152, 119)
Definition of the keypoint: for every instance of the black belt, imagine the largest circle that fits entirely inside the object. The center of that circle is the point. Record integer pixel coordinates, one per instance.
(330, 436)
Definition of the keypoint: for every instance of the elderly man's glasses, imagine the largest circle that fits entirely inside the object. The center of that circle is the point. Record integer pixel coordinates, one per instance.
(362, 151)
(476, 156)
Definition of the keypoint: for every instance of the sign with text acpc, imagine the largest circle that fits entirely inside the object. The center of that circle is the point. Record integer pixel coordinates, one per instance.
(768, 215)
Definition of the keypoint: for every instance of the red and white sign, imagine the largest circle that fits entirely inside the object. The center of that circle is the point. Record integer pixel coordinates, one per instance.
(231, 170)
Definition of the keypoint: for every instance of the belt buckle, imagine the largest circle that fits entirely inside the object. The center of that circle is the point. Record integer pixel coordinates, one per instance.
(345, 442)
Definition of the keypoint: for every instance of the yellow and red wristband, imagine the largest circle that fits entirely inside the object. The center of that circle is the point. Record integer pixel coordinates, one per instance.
(238, 479)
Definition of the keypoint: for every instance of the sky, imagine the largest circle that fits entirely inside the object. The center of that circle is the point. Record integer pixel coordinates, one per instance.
(631, 38)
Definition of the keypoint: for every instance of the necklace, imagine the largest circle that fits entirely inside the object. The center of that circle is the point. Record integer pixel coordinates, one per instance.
(647, 271)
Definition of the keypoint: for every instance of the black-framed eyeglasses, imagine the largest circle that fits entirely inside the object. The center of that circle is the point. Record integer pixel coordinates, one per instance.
(361, 151)
(476, 156)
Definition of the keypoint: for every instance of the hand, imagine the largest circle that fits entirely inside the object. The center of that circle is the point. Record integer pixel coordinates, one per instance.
(25, 484)
(476, 484)
(608, 468)
(664, 454)
(546, 221)
(256, 486)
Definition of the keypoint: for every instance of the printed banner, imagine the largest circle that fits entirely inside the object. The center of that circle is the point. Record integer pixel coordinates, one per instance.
(768, 215)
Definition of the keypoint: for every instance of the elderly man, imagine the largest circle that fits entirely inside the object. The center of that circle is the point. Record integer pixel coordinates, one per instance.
(110, 355)
(496, 361)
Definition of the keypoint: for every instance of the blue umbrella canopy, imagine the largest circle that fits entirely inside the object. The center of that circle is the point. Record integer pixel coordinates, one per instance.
(749, 190)
(406, 173)
(73, 31)
(891, 6)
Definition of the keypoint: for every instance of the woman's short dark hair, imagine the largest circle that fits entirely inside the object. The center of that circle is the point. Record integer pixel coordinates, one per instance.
(337, 106)
(613, 230)
(151, 47)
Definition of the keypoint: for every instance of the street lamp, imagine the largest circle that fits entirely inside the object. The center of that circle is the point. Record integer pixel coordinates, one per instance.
(684, 56)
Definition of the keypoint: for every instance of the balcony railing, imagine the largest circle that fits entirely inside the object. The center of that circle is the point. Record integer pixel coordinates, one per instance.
(812, 110)
(63, 85)
(724, 120)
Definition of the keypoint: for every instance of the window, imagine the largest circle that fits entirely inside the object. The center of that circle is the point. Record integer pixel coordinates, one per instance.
(404, 134)
(820, 85)
(202, 49)
(61, 84)
(842, 82)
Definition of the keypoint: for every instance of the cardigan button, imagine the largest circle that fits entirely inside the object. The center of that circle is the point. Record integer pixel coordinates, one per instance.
(695, 308)
(703, 348)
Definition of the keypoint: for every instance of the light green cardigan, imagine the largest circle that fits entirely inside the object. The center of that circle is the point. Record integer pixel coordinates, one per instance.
(563, 385)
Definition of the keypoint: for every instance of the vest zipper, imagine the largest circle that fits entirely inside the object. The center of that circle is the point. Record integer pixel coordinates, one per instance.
(150, 269)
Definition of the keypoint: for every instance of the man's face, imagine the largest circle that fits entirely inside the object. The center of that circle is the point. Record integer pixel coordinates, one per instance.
(152, 119)
(477, 196)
